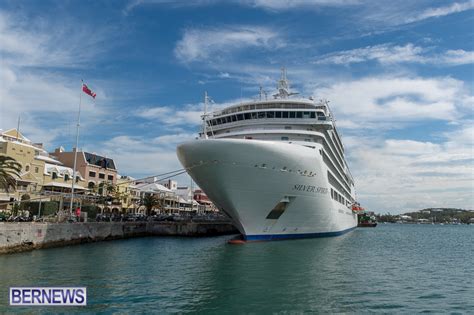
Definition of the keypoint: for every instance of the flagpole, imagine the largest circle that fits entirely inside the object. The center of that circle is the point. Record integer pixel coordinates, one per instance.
(75, 152)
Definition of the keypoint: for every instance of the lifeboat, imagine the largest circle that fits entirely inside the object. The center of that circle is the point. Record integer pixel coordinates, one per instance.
(357, 208)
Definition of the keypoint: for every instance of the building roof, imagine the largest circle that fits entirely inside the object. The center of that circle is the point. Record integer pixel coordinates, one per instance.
(100, 161)
(152, 187)
(61, 170)
(16, 134)
(48, 159)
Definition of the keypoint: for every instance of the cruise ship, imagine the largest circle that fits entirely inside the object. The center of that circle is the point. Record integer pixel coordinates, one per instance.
(275, 166)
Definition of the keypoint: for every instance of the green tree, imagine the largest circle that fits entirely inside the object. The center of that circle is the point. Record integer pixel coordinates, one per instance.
(150, 201)
(9, 169)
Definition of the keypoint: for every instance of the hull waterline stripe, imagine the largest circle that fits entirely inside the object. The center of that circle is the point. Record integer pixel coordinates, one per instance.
(273, 237)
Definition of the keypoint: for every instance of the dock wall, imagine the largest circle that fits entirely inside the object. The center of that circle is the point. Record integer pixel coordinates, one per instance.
(24, 236)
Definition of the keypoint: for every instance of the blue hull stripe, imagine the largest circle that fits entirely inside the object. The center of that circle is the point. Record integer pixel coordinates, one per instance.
(274, 237)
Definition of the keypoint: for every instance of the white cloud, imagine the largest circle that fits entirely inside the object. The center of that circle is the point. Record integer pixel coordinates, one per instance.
(189, 115)
(385, 102)
(442, 11)
(218, 43)
(390, 54)
(399, 175)
(457, 57)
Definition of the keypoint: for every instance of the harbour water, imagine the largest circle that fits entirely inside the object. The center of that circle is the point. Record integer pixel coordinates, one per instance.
(391, 268)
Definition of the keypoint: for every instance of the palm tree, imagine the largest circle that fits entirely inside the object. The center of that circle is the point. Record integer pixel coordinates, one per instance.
(150, 201)
(9, 169)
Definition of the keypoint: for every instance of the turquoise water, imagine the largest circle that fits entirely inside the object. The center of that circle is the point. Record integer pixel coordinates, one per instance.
(392, 268)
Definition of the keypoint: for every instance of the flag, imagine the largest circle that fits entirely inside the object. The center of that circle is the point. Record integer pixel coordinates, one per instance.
(86, 90)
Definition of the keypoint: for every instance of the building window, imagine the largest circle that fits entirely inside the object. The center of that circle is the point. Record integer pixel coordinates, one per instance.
(91, 174)
(77, 179)
(66, 177)
(101, 175)
(36, 169)
(54, 175)
(110, 177)
(27, 168)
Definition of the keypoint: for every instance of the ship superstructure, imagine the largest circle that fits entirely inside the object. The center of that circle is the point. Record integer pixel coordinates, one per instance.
(275, 166)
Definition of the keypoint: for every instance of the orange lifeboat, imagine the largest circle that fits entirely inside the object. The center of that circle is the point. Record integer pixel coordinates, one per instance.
(357, 208)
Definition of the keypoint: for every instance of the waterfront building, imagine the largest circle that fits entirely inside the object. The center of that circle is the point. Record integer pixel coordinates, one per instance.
(14, 144)
(170, 184)
(40, 174)
(95, 169)
(205, 204)
(127, 193)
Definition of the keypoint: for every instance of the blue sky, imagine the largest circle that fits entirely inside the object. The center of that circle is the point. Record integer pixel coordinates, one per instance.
(399, 76)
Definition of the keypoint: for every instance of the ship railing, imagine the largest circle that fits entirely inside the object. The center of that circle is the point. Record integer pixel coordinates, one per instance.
(277, 121)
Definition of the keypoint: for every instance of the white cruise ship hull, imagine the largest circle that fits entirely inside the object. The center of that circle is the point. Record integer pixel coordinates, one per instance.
(271, 190)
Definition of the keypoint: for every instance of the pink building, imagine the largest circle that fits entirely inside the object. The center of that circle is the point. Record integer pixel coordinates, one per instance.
(94, 168)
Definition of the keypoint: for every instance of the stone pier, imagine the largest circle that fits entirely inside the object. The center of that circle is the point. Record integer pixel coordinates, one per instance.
(24, 236)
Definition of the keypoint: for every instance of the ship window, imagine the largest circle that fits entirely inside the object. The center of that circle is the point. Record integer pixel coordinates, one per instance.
(285, 138)
(299, 114)
(307, 140)
(287, 127)
(306, 115)
(240, 117)
(234, 118)
(320, 114)
(227, 119)
(285, 114)
(278, 114)
(292, 114)
(247, 116)
(313, 115)
(261, 115)
(254, 115)
(270, 114)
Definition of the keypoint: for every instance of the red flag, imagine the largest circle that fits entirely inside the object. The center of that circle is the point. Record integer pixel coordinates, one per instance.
(86, 90)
